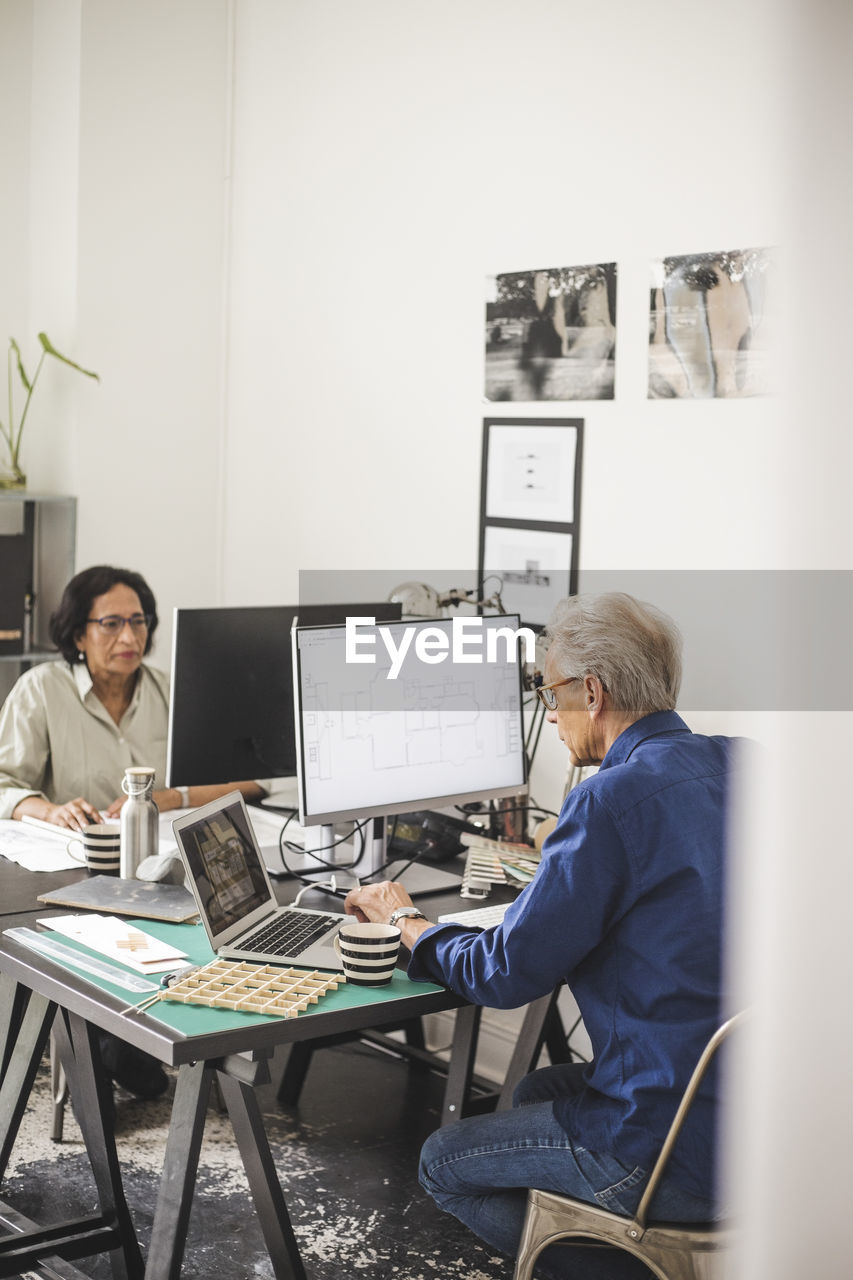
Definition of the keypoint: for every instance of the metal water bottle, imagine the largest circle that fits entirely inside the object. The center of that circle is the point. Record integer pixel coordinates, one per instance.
(139, 820)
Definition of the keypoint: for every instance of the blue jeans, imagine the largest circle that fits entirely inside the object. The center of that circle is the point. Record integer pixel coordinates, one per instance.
(479, 1170)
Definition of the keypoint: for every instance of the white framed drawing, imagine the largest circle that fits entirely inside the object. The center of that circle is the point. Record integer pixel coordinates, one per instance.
(530, 470)
(534, 567)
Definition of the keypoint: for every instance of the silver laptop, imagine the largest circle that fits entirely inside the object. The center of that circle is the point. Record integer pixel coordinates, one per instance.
(235, 897)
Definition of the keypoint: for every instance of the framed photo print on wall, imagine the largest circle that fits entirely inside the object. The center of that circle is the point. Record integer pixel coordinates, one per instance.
(529, 513)
(712, 322)
(551, 333)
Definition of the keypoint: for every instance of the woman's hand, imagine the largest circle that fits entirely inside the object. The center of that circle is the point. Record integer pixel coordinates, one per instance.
(74, 814)
(168, 799)
(171, 798)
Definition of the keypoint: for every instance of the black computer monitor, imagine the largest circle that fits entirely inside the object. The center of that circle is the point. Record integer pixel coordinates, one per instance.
(231, 705)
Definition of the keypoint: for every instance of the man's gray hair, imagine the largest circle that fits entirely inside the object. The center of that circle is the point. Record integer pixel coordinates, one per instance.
(633, 648)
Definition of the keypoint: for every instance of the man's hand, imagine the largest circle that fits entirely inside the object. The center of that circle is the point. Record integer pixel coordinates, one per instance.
(377, 902)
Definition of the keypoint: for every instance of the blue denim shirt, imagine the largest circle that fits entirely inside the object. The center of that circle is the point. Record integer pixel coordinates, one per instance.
(627, 908)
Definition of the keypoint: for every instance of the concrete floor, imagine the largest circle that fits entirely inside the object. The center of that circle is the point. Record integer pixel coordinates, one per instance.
(346, 1156)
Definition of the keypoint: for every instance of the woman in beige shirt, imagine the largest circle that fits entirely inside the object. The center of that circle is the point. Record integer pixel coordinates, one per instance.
(69, 729)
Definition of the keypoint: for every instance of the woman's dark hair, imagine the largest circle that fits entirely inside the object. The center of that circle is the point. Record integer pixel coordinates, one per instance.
(71, 617)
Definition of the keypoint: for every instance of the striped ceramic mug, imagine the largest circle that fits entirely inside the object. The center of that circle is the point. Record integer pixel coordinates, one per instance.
(98, 845)
(368, 952)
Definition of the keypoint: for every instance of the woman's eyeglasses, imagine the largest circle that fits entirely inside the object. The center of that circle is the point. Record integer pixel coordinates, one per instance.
(546, 695)
(113, 622)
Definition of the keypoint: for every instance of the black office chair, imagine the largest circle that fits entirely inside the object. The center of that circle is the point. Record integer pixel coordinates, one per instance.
(670, 1251)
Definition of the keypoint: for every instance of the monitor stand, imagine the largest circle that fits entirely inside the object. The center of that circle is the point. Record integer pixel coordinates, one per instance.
(419, 878)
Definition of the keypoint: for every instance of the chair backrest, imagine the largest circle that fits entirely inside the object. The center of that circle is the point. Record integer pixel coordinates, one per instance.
(683, 1107)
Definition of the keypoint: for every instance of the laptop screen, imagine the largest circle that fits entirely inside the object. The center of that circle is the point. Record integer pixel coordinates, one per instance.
(222, 857)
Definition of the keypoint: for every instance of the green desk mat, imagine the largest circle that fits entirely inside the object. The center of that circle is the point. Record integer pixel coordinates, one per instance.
(197, 1019)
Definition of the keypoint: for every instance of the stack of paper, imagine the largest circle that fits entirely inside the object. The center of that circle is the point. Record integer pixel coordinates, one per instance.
(37, 849)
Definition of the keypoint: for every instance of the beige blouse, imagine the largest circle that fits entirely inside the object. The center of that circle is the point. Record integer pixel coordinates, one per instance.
(57, 739)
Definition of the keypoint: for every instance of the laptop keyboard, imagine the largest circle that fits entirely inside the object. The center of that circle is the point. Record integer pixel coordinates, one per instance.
(290, 933)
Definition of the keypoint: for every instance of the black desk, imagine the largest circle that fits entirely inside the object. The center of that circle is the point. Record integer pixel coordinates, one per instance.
(37, 995)
(19, 888)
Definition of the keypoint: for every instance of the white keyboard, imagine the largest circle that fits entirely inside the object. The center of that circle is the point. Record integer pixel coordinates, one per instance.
(476, 917)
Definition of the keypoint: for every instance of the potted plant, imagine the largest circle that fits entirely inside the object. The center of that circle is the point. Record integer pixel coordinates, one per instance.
(14, 477)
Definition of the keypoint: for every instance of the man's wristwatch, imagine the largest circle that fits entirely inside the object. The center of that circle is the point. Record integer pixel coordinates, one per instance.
(412, 912)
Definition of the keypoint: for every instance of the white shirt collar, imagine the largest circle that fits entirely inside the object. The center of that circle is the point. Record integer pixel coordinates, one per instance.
(83, 681)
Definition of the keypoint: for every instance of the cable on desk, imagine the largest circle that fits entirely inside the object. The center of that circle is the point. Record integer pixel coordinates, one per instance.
(530, 809)
(391, 862)
(358, 827)
(333, 867)
(534, 732)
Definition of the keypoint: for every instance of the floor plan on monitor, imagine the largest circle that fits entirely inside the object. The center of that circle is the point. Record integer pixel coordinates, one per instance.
(429, 729)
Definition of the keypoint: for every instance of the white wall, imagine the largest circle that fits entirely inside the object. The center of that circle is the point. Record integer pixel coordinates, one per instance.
(114, 242)
(16, 71)
(53, 229)
(388, 157)
(153, 111)
(794, 1125)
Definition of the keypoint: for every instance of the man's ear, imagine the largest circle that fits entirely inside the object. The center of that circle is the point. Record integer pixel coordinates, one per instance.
(593, 695)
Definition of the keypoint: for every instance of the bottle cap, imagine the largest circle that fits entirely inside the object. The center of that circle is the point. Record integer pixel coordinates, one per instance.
(137, 780)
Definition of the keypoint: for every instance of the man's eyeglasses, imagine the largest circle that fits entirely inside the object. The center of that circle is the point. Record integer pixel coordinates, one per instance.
(546, 695)
(113, 622)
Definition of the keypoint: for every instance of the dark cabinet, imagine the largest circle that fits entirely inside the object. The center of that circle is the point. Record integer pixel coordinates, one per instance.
(38, 533)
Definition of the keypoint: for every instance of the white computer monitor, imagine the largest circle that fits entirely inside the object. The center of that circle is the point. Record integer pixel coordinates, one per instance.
(407, 716)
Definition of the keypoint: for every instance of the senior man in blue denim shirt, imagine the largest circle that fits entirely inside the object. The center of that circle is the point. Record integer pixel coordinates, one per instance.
(626, 908)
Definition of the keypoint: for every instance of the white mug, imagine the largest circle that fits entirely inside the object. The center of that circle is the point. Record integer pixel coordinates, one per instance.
(368, 952)
(99, 845)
